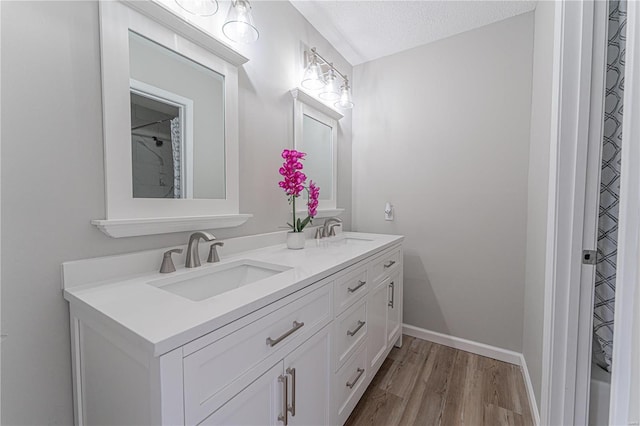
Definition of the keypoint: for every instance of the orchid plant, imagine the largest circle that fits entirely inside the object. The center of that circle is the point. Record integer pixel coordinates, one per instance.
(293, 184)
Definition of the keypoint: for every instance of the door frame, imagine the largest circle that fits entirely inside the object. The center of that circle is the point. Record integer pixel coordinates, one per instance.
(564, 370)
(628, 274)
(591, 211)
(571, 100)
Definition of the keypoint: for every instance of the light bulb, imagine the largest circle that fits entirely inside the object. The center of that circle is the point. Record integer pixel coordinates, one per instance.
(345, 101)
(331, 91)
(312, 78)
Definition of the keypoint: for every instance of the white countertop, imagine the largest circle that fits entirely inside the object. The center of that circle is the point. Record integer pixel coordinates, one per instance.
(165, 321)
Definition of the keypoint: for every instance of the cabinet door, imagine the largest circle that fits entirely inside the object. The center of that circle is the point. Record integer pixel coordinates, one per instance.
(309, 373)
(394, 307)
(377, 310)
(260, 403)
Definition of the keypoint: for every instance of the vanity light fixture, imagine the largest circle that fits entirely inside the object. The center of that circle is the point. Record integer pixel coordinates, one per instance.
(321, 74)
(199, 7)
(239, 25)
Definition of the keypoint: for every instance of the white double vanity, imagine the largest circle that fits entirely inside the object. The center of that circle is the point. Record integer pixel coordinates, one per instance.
(267, 336)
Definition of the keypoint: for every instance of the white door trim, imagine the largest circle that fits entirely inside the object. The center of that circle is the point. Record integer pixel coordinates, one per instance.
(567, 185)
(628, 230)
(591, 212)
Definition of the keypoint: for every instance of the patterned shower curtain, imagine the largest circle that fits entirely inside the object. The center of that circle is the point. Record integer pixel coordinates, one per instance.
(605, 286)
(176, 144)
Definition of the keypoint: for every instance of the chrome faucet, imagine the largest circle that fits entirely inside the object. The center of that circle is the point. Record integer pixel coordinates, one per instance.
(193, 257)
(327, 229)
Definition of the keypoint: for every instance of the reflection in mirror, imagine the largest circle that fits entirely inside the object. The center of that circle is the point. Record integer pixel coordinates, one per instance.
(155, 149)
(317, 143)
(177, 124)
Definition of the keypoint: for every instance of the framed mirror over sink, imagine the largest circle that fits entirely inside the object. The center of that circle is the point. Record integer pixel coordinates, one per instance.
(170, 113)
(316, 134)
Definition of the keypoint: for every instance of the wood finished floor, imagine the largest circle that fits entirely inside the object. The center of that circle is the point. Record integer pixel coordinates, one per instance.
(424, 383)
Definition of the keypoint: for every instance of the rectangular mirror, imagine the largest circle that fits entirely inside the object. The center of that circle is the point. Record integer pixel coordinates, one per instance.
(316, 134)
(177, 124)
(170, 116)
(317, 142)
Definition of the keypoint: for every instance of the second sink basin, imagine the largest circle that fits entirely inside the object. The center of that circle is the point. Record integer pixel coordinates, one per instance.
(347, 240)
(212, 281)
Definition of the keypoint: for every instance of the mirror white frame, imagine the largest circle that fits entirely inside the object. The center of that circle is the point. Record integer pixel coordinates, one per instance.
(305, 104)
(128, 216)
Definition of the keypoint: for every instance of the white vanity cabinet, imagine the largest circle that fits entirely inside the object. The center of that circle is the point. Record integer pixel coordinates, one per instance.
(384, 313)
(295, 391)
(301, 359)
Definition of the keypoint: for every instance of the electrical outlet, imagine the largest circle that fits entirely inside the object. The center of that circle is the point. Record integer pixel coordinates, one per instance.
(388, 212)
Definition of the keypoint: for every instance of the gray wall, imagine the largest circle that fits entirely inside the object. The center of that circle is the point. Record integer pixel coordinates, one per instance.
(53, 178)
(442, 132)
(538, 192)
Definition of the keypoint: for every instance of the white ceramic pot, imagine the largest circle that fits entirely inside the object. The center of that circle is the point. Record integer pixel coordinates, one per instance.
(295, 240)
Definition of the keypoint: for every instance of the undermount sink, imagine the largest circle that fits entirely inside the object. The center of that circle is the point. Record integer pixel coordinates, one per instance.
(214, 280)
(347, 240)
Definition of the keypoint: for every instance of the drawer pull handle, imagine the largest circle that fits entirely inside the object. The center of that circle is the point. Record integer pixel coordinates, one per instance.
(353, 332)
(360, 284)
(392, 286)
(284, 417)
(292, 407)
(296, 326)
(389, 264)
(350, 385)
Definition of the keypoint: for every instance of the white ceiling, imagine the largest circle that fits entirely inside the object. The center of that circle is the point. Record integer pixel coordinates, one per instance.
(365, 30)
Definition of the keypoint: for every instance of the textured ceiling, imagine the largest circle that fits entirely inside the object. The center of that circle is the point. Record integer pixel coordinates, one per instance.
(365, 30)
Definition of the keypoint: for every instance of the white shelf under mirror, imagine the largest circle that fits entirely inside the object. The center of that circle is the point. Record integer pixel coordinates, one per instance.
(118, 228)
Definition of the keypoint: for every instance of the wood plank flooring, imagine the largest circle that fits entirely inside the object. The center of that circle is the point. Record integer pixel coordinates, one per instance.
(424, 383)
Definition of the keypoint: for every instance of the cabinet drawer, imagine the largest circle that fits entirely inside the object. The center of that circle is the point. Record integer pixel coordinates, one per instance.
(217, 372)
(382, 266)
(349, 384)
(350, 288)
(350, 332)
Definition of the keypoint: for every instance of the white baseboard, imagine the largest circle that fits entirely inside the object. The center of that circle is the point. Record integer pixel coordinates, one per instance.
(463, 344)
(482, 349)
(529, 386)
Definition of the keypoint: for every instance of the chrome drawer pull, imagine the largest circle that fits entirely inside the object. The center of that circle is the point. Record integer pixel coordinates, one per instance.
(292, 407)
(296, 326)
(393, 294)
(360, 284)
(389, 264)
(350, 385)
(284, 417)
(360, 325)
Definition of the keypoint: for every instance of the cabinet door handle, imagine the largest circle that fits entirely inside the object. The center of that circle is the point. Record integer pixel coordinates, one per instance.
(292, 407)
(355, 330)
(350, 385)
(360, 284)
(392, 286)
(296, 326)
(389, 264)
(284, 417)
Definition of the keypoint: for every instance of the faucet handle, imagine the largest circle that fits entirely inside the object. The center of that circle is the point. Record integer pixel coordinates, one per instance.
(167, 262)
(332, 229)
(319, 233)
(213, 252)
